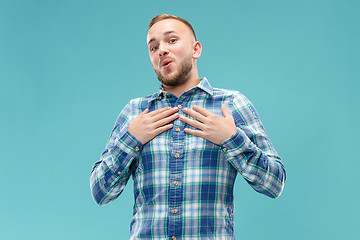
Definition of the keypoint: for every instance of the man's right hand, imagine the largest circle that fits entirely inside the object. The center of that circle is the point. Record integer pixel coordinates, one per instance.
(148, 125)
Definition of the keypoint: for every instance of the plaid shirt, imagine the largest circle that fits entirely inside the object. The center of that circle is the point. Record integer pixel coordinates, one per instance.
(183, 184)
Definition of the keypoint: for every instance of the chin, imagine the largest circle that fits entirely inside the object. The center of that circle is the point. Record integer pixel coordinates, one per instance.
(170, 80)
(177, 76)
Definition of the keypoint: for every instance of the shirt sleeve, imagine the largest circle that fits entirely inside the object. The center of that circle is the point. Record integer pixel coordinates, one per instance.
(111, 173)
(251, 152)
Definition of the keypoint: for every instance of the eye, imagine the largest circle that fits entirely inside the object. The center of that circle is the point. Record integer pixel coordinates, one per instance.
(154, 48)
(173, 40)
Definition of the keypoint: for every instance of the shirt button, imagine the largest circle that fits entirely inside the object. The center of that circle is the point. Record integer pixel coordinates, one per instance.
(119, 172)
(137, 148)
(173, 238)
(165, 94)
(176, 183)
(224, 149)
(178, 129)
(179, 106)
(240, 170)
(177, 155)
(174, 211)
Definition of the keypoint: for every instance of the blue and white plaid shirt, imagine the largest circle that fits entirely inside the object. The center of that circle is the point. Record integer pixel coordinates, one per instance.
(183, 184)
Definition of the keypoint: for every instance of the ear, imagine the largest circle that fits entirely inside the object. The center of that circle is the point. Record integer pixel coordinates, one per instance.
(197, 50)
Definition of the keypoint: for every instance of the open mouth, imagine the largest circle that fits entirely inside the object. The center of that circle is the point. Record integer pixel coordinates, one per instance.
(166, 63)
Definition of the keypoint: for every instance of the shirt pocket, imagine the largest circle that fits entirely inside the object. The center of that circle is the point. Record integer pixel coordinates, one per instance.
(201, 143)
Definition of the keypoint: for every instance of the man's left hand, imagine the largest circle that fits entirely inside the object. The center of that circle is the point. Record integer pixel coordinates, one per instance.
(212, 127)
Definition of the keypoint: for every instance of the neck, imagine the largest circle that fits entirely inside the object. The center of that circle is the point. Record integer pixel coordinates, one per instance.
(180, 89)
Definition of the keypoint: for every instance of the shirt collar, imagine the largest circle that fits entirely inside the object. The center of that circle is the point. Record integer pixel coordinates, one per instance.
(203, 85)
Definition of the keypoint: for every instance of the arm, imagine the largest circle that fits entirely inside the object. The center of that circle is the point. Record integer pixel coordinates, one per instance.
(251, 152)
(132, 130)
(243, 141)
(111, 173)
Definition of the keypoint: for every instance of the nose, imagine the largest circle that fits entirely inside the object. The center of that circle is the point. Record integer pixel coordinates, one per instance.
(163, 50)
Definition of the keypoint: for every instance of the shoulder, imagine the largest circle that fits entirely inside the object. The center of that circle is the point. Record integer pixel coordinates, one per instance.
(133, 108)
(232, 96)
(141, 103)
(238, 104)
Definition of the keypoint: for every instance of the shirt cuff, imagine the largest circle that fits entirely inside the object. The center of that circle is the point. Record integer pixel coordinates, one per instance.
(128, 148)
(130, 144)
(235, 145)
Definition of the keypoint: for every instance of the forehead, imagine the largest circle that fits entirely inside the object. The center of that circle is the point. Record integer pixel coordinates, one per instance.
(159, 29)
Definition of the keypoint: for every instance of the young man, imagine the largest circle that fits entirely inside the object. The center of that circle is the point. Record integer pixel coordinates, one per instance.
(184, 146)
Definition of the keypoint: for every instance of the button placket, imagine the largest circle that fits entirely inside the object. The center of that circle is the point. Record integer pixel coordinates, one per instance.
(176, 166)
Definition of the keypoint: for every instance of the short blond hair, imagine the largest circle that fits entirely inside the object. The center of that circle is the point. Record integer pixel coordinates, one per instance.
(161, 17)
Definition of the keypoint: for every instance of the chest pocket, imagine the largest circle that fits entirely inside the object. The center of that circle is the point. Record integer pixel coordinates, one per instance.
(208, 154)
(199, 143)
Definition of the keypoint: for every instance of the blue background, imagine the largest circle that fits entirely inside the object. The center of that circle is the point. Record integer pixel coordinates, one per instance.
(67, 68)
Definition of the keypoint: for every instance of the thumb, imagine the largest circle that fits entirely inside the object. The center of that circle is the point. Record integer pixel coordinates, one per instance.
(145, 111)
(225, 111)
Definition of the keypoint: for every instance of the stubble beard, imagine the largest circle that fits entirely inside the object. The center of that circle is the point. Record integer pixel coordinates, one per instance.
(181, 77)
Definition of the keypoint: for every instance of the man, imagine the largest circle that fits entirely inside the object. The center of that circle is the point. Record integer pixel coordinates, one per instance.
(184, 146)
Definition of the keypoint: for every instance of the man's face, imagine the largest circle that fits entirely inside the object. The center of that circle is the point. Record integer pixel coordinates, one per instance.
(170, 44)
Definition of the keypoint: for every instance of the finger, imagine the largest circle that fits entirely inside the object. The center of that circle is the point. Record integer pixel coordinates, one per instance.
(164, 114)
(157, 111)
(166, 120)
(225, 111)
(193, 123)
(165, 111)
(202, 110)
(194, 114)
(161, 113)
(162, 129)
(194, 132)
(145, 111)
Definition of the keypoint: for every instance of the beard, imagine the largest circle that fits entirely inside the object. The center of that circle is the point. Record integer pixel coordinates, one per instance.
(180, 77)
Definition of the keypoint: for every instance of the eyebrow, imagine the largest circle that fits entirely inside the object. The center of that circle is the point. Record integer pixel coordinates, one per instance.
(165, 34)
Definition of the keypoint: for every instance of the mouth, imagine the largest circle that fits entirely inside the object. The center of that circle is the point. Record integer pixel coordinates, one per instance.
(166, 63)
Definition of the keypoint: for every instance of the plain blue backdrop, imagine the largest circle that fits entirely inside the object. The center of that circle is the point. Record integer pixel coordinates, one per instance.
(67, 68)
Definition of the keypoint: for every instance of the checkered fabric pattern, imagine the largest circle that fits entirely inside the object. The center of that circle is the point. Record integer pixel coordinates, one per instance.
(183, 184)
